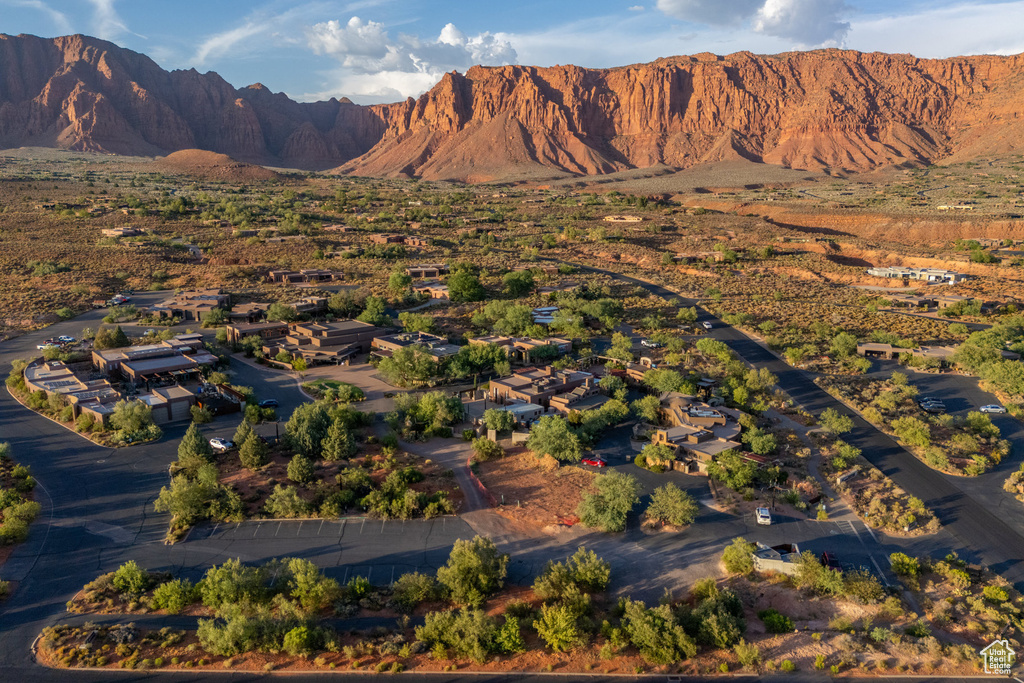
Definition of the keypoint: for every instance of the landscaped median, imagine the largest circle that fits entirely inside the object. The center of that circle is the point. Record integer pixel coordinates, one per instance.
(966, 446)
(288, 615)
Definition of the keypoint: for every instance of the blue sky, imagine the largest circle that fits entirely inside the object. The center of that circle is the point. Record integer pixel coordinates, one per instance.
(385, 50)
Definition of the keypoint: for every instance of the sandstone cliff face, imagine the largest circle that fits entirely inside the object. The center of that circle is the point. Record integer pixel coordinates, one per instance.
(86, 94)
(832, 109)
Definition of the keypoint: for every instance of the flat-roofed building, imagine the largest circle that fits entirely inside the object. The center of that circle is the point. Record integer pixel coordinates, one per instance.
(538, 385)
(191, 305)
(925, 274)
(266, 331)
(433, 289)
(427, 270)
(435, 346)
(301, 276)
(174, 360)
(248, 313)
(170, 403)
(387, 238)
(698, 432)
(325, 342)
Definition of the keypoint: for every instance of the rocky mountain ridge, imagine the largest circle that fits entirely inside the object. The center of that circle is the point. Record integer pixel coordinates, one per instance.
(823, 109)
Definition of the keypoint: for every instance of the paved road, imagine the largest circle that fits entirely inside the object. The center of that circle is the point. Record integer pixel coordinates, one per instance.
(970, 511)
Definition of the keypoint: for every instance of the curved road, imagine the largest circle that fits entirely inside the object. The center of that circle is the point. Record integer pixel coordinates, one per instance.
(977, 519)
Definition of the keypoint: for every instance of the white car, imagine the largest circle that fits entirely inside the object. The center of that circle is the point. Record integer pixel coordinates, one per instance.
(66, 339)
(221, 445)
(650, 344)
(992, 409)
(764, 516)
(706, 324)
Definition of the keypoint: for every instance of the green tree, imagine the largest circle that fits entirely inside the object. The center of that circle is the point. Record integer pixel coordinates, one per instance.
(131, 579)
(408, 366)
(912, 431)
(301, 469)
(656, 633)
(242, 432)
(671, 505)
(416, 322)
(551, 435)
(338, 444)
(733, 470)
(608, 508)
(518, 283)
(282, 312)
(307, 585)
(374, 313)
(621, 348)
(648, 409)
(131, 416)
(194, 451)
(475, 570)
(844, 345)
(687, 315)
(738, 557)
(399, 282)
(558, 628)
(835, 422)
(253, 452)
(466, 632)
(465, 286)
(108, 338)
(499, 420)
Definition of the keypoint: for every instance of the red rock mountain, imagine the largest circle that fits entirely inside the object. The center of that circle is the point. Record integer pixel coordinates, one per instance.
(821, 109)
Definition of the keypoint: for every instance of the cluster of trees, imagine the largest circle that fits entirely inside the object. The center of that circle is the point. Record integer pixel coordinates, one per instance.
(565, 438)
(132, 421)
(323, 429)
(981, 354)
(16, 511)
(740, 473)
(414, 366)
(195, 493)
(431, 414)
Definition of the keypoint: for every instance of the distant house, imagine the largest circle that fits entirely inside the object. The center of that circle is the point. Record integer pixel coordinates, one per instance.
(129, 231)
(697, 432)
(192, 305)
(427, 270)
(175, 360)
(434, 289)
(302, 276)
(266, 331)
(324, 342)
(435, 346)
(538, 385)
(925, 274)
(387, 238)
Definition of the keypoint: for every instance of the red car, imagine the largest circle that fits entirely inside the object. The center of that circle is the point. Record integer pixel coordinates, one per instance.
(595, 462)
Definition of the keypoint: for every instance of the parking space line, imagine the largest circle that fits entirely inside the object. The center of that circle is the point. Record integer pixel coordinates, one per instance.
(278, 529)
(870, 531)
(881, 574)
(362, 525)
(257, 529)
(321, 527)
(300, 529)
(215, 527)
(382, 523)
(853, 528)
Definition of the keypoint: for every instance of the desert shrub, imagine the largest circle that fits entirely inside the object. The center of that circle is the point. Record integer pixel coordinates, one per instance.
(307, 586)
(719, 621)
(995, 594)
(413, 588)
(467, 632)
(584, 570)
(608, 508)
(484, 449)
(174, 596)
(738, 557)
(475, 570)
(904, 565)
(558, 628)
(131, 579)
(748, 654)
(671, 505)
(656, 633)
(285, 502)
(509, 638)
(862, 585)
(301, 641)
(233, 583)
(775, 622)
(918, 629)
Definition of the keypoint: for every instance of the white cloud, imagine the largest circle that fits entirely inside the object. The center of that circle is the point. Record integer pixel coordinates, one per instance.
(807, 22)
(221, 43)
(106, 21)
(374, 65)
(636, 8)
(60, 20)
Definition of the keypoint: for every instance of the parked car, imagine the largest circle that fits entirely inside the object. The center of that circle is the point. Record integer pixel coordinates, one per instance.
(595, 462)
(221, 445)
(764, 516)
(650, 344)
(831, 561)
(706, 324)
(934, 408)
(268, 403)
(66, 339)
(46, 345)
(994, 408)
